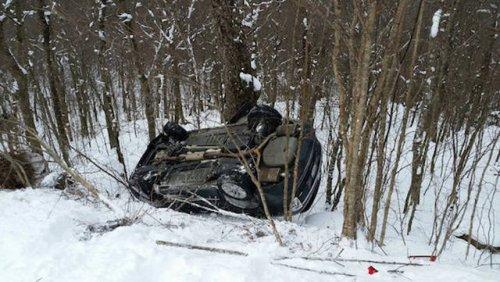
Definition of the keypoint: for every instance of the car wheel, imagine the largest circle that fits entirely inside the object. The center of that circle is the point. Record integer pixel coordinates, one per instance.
(175, 131)
(238, 191)
(263, 120)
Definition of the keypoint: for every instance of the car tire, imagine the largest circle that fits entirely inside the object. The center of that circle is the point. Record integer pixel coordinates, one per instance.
(175, 131)
(238, 191)
(263, 120)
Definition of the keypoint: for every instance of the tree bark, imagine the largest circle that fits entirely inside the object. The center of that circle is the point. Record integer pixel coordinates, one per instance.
(236, 59)
(15, 66)
(56, 94)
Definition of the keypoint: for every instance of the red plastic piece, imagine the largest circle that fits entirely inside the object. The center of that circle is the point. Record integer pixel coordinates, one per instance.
(372, 270)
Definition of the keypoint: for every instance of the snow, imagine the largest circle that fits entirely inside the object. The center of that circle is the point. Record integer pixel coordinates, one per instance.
(435, 23)
(248, 78)
(47, 15)
(253, 63)
(251, 18)
(125, 17)
(486, 11)
(7, 4)
(44, 234)
(44, 237)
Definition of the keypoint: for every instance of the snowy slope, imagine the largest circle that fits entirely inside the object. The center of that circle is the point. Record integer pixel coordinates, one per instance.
(44, 237)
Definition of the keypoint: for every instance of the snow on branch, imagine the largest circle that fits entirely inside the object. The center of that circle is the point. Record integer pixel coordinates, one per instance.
(435, 23)
(124, 17)
(250, 79)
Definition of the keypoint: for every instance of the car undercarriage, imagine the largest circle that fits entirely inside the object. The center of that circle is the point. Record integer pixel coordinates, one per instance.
(223, 167)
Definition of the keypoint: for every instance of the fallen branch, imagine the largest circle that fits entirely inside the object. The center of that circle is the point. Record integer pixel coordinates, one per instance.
(73, 173)
(478, 245)
(201, 248)
(238, 253)
(313, 270)
(353, 260)
(110, 225)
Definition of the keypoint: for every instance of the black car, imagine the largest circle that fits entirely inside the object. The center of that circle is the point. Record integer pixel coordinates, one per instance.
(210, 168)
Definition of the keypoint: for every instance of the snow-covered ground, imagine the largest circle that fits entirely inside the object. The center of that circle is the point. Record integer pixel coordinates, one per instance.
(44, 236)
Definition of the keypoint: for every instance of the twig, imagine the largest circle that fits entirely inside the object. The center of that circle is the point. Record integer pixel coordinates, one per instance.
(121, 181)
(201, 248)
(313, 270)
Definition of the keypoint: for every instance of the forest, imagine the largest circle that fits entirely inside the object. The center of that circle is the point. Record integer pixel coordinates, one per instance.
(403, 96)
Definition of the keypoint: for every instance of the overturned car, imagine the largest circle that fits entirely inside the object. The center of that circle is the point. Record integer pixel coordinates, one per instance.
(212, 168)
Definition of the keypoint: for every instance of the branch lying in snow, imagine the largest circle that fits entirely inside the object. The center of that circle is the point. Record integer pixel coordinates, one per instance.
(354, 260)
(231, 252)
(478, 245)
(201, 248)
(242, 254)
(313, 270)
(110, 225)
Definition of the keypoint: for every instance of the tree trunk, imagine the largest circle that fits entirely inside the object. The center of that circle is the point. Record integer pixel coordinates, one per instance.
(239, 78)
(52, 73)
(146, 94)
(21, 75)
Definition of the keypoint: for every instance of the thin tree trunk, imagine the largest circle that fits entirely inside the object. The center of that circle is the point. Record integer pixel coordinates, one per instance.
(56, 95)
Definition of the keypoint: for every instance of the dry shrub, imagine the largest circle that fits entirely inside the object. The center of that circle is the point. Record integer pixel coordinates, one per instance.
(22, 169)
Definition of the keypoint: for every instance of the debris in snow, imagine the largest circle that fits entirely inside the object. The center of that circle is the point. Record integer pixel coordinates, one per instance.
(110, 225)
(435, 23)
(125, 17)
(372, 270)
(248, 78)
